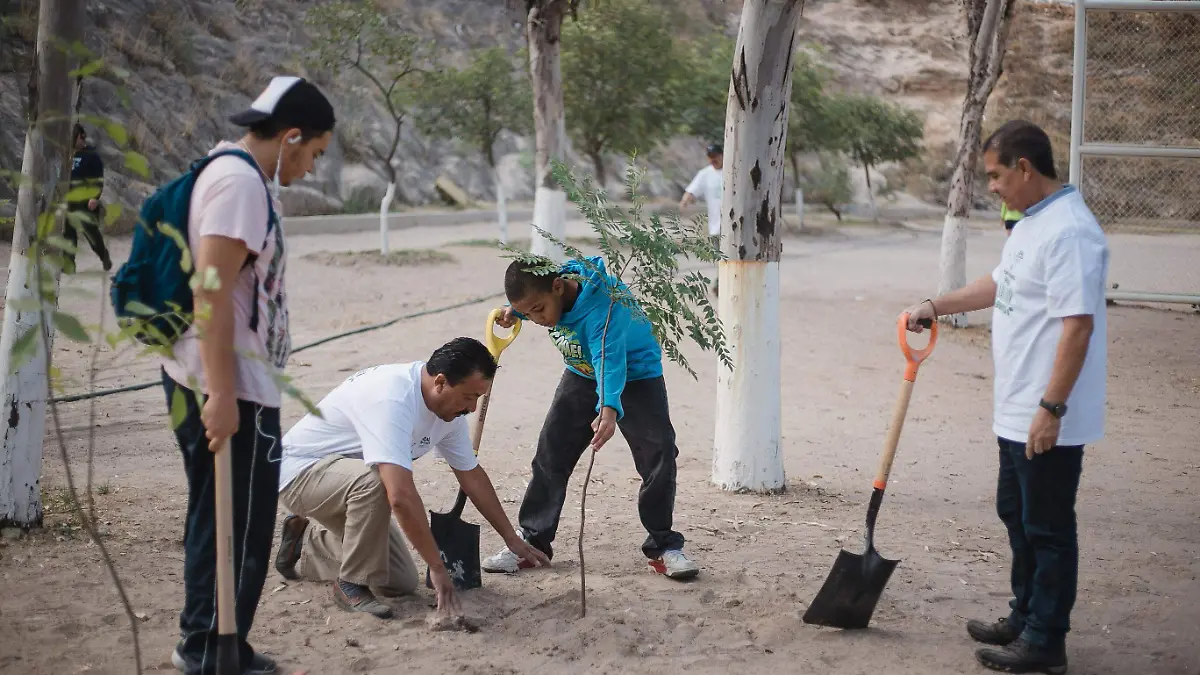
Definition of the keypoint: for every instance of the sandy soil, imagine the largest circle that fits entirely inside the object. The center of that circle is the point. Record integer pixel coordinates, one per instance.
(764, 557)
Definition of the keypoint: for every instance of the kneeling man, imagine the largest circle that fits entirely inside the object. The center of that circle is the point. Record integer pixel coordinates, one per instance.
(350, 470)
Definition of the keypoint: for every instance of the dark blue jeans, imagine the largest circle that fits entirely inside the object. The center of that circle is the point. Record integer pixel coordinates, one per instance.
(1036, 500)
(255, 493)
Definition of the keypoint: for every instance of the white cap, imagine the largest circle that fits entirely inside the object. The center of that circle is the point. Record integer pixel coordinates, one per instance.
(264, 106)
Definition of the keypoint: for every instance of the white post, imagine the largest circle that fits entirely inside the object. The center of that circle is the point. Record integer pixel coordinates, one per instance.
(44, 171)
(800, 207)
(747, 446)
(501, 206)
(1078, 91)
(384, 206)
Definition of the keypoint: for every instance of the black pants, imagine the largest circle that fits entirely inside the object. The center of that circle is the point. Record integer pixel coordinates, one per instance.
(89, 221)
(255, 492)
(567, 432)
(1036, 500)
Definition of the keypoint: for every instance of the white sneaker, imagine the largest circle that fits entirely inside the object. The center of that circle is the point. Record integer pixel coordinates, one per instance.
(675, 565)
(506, 562)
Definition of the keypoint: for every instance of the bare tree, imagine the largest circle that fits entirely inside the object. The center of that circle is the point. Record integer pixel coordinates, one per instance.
(45, 169)
(747, 453)
(543, 29)
(987, 28)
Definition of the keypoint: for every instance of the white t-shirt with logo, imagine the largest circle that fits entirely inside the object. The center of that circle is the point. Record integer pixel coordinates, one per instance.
(229, 199)
(1054, 265)
(708, 185)
(377, 415)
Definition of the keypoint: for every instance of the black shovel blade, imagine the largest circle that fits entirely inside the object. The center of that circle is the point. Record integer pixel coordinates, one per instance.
(459, 544)
(853, 587)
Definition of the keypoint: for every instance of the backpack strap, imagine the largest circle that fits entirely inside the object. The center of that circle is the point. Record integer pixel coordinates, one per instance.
(251, 258)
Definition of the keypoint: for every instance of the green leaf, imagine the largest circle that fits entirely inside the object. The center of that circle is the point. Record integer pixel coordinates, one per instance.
(178, 408)
(112, 212)
(28, 303)
(137, 163)
(23, 348)
(71, 327)
(61, 243)
(116, 132)
(139, 308)
(87, 69)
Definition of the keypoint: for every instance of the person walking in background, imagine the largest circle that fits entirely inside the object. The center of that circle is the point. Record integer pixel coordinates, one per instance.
(1010, 217)
(708, 185)
(84, 210)
(1049, 348)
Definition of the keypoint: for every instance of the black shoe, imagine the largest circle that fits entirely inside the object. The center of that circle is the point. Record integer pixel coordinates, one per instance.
(1022, 657)
(291, 539)
(1000, 633)
(260, 664)
(355, 598)
(106, 263)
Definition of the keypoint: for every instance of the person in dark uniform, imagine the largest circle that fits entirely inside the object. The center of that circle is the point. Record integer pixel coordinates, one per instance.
(84, 210)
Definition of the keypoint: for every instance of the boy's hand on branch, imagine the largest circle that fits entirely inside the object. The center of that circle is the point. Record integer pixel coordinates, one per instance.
(507, 318)
(605, 425)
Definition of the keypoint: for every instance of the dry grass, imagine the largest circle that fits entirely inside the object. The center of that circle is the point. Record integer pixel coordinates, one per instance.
(399, 258)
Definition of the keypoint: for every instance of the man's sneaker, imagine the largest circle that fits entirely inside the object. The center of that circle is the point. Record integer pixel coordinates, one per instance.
(291, 539)
(506, 562)
(1000, 633)
(1022, 657)
(260, 664)
(675, 565)
(355, 598)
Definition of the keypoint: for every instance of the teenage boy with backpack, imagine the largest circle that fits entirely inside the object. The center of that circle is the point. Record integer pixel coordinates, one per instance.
(227, 207)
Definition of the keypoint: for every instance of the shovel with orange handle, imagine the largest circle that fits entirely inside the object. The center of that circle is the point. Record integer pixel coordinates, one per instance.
(854, 585)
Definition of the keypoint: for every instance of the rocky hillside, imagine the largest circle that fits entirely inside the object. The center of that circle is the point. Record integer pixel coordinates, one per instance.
(192, 62)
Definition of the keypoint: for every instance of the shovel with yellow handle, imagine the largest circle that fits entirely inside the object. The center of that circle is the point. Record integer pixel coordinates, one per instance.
(457, 539)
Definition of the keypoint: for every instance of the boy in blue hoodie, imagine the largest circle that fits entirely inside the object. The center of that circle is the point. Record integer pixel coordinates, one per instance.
(607, 350)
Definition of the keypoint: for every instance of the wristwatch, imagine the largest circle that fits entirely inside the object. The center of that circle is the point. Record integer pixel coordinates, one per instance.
(1056, 409)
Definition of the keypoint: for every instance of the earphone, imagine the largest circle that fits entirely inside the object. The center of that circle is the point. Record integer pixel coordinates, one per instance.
(293, 140)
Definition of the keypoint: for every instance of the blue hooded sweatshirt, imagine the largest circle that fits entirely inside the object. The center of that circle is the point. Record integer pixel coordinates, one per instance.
(628, 352)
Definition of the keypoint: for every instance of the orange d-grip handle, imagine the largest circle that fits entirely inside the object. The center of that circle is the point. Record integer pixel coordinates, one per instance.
(914, 357)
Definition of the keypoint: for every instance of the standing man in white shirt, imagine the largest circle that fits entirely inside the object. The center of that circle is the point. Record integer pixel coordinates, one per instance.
(1049, 348)
(708, 185)
(233, 354)
(351, 469)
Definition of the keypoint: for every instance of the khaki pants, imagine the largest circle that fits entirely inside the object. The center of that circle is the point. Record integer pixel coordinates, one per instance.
(351, 534)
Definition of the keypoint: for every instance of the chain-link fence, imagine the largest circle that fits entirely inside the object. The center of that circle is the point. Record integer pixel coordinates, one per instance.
(1135, 150)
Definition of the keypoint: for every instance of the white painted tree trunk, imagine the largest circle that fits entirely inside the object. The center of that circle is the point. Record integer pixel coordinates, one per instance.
(800, 207)
(544, 28)
(747, 446)
(385, 205)
(501, 206)
(45, 171)
(987, 24)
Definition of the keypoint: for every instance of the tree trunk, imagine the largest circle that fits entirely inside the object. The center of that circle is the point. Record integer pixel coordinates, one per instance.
(543, 28)
(45, 170)
(598, 164)
(987, 26)
(501, 206)
(747, 450)
(871, 193)
(385, 205)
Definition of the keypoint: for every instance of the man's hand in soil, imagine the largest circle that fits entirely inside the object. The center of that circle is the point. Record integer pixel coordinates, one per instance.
(447, 600)
(1043, 433)
(507, 318)
(605, 425)
(527, 552)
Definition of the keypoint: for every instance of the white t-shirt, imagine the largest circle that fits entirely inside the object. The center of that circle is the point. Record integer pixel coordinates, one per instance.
(379, 415)
(230, 200)
(708, 185)
(1054, 265)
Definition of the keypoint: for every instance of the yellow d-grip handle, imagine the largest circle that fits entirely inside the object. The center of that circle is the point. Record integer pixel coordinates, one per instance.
(495, 343)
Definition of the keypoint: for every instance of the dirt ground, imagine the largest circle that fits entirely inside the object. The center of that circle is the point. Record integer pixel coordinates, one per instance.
(763, 557)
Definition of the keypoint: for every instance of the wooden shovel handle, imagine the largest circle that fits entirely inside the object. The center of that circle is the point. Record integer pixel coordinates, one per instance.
(913, 358)
(226, 612)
